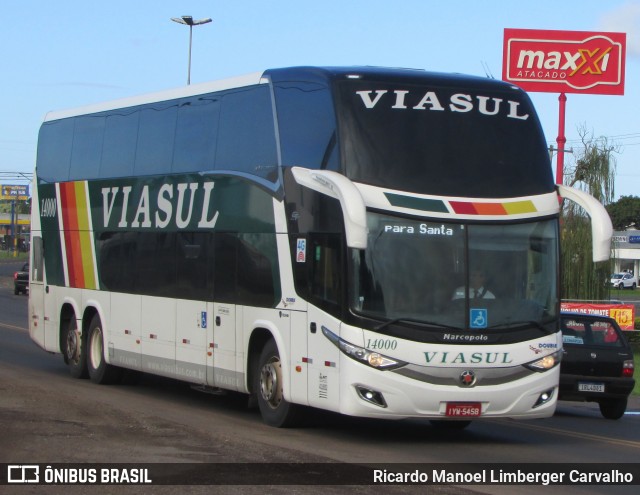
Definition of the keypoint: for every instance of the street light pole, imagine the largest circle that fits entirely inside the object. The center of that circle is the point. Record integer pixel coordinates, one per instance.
(188, 21)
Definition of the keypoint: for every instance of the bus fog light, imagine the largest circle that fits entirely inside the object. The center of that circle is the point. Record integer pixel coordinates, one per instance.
(371, 396)
(544, 398)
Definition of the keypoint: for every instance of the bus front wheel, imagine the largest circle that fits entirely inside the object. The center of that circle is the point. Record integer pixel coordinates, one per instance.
(274, 408)
(100, 371)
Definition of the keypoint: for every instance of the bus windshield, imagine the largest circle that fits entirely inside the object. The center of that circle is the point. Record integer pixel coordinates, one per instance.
(454, 275)
(442, 140)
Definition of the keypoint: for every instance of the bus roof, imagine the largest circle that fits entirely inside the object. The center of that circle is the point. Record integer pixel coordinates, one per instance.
(170, 94)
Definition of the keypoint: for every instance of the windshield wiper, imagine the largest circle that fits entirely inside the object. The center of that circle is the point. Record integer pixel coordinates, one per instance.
(414, 320)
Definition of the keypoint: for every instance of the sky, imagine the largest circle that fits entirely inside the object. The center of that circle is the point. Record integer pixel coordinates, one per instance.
(70, 53)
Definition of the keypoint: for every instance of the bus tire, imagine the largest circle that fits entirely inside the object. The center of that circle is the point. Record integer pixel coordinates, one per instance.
(100, 371)
(275, 410)
(74, 350)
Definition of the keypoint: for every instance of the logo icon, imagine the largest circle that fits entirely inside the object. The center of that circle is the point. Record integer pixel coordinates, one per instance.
(467, 378)
(23, 473)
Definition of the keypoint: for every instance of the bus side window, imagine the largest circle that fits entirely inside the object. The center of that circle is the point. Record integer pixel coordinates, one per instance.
(38, 259)
(324, 277)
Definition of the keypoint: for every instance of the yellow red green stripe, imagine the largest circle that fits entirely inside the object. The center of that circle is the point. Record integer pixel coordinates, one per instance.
(76, 227)
(493, 209)
(462, 207)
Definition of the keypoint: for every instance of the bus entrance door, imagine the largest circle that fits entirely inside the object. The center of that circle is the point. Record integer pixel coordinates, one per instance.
(36, 293)
(222, 364)
(323, 361)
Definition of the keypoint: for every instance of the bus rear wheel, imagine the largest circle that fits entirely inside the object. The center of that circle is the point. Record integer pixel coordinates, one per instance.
(274, 408)
(100, 371)
(74, 350)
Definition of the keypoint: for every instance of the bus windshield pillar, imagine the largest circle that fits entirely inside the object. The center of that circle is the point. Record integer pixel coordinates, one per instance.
(338, 186)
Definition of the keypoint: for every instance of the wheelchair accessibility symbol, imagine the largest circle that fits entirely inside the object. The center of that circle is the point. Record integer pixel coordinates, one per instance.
(478, 318)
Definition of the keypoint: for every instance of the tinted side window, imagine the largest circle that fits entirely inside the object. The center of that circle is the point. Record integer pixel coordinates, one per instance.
(37, 259)
(117, 261)
(194, 265)
(196, 134)
(156, 138)
(120, 138)
(155, 264)
(87, 147)
(231, 130)
(54, 150)
(188, 265)
(226, 266)
(246, 141)
(307, 125)
(257, 270)
(326, 268)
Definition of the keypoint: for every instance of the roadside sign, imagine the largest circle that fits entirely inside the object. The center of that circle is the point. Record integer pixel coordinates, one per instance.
(624, 314)
(16, 192)
(565, 61)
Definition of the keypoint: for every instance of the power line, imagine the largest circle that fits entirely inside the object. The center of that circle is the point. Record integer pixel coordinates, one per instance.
(16, 176)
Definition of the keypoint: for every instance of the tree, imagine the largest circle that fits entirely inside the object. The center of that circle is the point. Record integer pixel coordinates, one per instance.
(593, 172)
(625, 212)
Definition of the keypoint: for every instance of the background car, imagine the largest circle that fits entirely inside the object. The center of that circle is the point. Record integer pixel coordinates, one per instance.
(623, 281)
(21, 280)
(597, 364)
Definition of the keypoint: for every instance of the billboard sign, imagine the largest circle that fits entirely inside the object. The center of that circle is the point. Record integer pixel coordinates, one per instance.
(15, 192)
(624, 314)
(565, 61)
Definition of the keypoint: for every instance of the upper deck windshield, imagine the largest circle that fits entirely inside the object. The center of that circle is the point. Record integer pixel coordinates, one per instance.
(427, 272)
(478, 140)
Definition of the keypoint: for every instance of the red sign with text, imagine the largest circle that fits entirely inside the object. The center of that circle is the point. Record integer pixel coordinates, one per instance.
(624, 314)
(564, 61)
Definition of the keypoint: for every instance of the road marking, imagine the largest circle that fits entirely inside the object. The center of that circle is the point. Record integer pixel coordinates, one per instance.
(13, 327)
(575, 434)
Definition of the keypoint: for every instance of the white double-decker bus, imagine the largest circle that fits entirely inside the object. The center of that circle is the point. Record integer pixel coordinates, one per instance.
(313, 237)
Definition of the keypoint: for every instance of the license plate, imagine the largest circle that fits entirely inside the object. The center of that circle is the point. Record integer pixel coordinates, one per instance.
(591, 387)
(463, 409)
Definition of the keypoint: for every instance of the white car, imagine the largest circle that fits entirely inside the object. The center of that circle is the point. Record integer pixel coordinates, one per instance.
(623, 281)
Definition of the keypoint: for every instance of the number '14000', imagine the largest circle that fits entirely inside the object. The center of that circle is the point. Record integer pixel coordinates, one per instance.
(382, 344)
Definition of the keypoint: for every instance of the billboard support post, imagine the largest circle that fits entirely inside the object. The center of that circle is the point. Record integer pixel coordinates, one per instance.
(561, 139)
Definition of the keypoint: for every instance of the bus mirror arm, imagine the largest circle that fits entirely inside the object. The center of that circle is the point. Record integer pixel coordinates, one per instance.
(601, 227)
(339, 187)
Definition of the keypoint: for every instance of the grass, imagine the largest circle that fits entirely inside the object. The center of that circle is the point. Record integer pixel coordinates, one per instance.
(621, 294)
(13, 256)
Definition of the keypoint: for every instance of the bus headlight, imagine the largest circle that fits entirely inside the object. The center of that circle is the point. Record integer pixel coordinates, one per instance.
(546, 363)
(362, 355)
